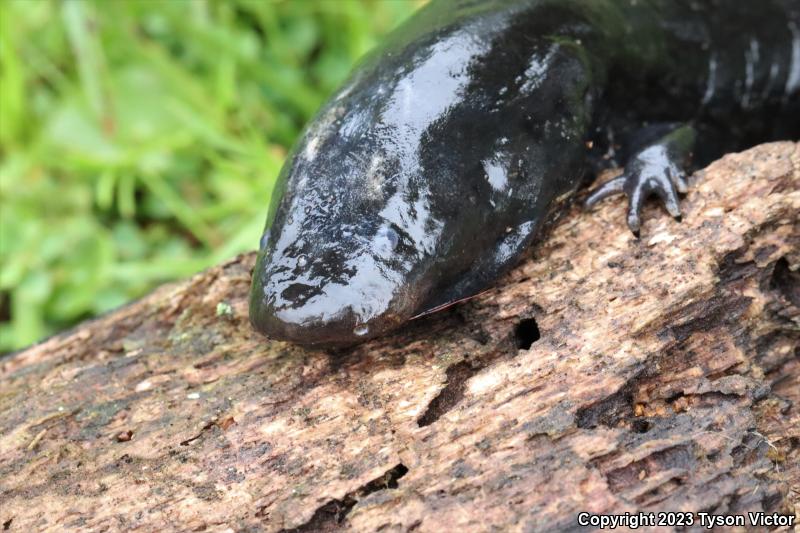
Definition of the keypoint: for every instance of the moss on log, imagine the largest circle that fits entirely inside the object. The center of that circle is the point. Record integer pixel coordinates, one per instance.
(603, 374)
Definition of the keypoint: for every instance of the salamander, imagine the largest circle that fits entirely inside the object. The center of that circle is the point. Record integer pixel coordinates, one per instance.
(436, 164)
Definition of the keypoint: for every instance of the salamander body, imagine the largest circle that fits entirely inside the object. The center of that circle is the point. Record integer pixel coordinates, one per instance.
(430, 171)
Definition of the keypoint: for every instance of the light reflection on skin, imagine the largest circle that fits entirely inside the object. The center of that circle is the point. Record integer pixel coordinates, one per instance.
(793, 81)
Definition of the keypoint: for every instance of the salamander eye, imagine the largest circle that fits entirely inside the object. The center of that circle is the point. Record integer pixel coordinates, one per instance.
(386, 240)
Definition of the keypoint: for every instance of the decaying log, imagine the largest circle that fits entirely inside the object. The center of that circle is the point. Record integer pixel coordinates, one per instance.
(604, 374)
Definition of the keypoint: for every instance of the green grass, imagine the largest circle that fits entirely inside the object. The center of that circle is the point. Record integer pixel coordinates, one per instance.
(140, 139)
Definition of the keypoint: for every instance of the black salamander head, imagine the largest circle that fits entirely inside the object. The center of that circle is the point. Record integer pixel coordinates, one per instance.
(417, 185)
(342, 260)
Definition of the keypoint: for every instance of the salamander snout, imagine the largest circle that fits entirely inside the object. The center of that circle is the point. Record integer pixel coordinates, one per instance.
(315, 290)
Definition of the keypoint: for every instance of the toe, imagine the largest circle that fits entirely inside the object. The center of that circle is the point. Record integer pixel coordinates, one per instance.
(637, 197)
(609, 188)
(666, 191)
(678, 179)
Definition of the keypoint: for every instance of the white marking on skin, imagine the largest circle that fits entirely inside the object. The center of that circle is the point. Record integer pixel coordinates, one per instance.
(375, 176)
(310, 151)
(537, 69)
(352, 128)
(750, 62)
(510, 245)
(774, 70)
(344, 92)
(414, 218)
(712, 78)
(793, 81)
(496, 174)
(385, 241)
(324, 129)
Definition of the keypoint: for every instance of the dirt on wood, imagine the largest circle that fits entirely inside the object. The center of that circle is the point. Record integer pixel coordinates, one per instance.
(604, 374)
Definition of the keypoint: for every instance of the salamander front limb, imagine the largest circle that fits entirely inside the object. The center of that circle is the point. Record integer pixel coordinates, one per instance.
(656, 169)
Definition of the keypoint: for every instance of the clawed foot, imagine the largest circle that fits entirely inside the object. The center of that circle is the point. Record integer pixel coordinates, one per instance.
(656, 171)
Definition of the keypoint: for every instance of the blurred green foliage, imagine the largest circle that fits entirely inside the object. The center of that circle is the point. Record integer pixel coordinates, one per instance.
(140, 139)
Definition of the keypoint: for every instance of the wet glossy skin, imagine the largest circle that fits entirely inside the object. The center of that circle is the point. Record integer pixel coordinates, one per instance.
(431, 170)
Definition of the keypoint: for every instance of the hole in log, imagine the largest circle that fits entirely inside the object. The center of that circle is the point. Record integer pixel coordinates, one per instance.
(450, 395)
(330, 516)
(641, 426)
(526, 333)
(786, 281)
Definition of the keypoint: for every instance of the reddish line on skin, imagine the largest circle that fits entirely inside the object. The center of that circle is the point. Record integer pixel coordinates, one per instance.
(448, 304)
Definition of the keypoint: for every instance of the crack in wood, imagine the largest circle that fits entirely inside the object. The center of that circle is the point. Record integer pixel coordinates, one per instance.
(331, 516)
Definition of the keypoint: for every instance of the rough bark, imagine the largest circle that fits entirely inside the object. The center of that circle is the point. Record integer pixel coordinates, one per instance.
(603, 374)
